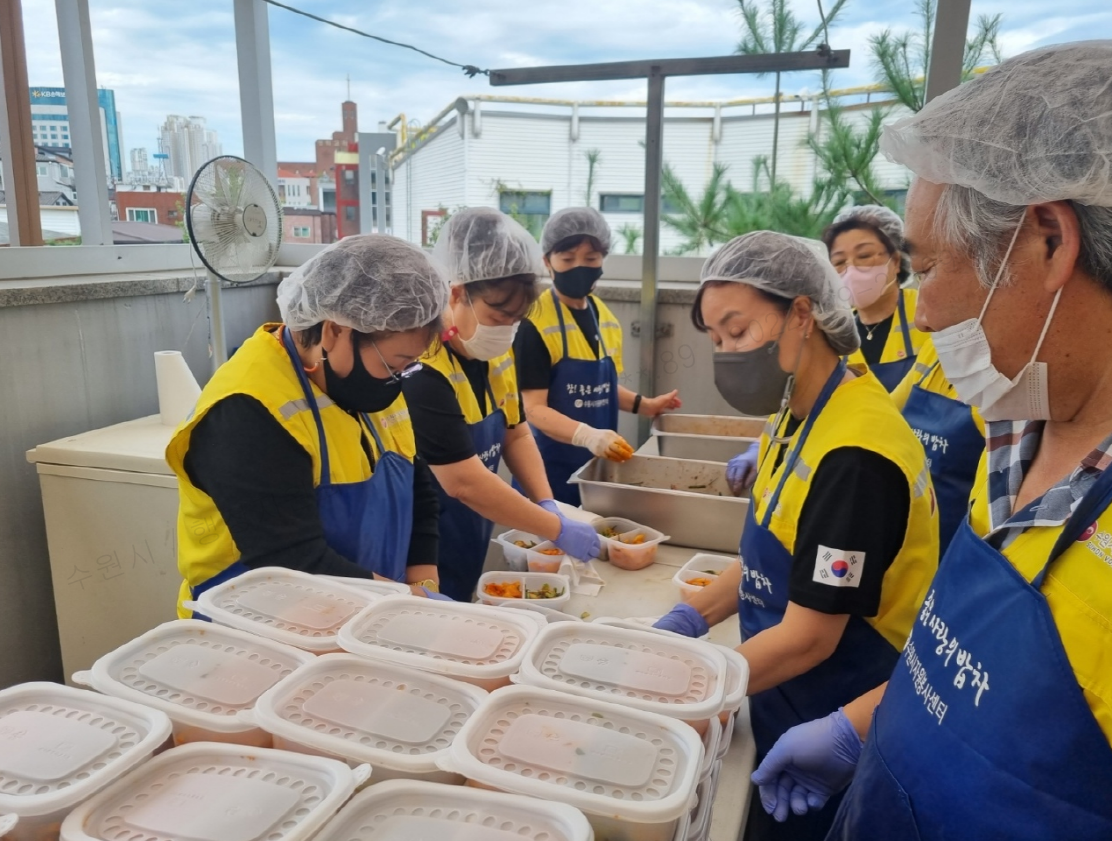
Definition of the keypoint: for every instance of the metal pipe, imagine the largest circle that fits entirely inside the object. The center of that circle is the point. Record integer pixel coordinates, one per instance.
(650, 259)
(947, 47)
(218, 345)
(256, 91)
(16, 138)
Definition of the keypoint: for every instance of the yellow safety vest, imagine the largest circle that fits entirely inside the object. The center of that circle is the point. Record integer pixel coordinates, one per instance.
(262, 369)
(894, 348)
(1078, 591)
(936, 383)
(502, 375)
(544, 318)
(860, 414)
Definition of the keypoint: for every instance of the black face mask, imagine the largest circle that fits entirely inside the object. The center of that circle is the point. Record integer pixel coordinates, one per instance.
(577, 282)
(359, 391)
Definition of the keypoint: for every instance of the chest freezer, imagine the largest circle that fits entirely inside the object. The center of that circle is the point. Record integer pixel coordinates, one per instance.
(111, 506)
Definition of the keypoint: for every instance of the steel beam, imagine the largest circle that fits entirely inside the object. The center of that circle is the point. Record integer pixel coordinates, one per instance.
(650, 259)
(256, 90)
(16, 139)
(947, 47)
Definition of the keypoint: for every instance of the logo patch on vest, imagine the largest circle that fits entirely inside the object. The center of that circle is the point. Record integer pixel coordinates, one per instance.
(838, 567)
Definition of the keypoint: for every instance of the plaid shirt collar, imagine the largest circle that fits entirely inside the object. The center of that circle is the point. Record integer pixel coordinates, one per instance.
(1011, 447)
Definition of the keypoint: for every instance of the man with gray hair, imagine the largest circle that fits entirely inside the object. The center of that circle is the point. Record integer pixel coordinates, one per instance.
(997, 720)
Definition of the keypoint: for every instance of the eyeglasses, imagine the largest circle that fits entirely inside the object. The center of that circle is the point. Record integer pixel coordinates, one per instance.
(865, 260)
(397, 376)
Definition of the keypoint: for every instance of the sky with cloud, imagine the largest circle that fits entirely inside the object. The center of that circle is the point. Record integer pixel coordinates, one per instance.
(173, 57)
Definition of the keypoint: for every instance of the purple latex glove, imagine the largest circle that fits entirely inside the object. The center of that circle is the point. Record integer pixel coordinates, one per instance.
(807, 765)
(683, 619)
(440, 597)
(741, 471)
(577, 540)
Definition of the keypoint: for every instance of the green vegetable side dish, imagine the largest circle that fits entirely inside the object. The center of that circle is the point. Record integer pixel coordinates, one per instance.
(547, 591)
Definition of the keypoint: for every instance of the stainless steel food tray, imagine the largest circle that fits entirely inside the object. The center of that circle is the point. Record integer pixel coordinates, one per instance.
(705, 437)
(688, 500)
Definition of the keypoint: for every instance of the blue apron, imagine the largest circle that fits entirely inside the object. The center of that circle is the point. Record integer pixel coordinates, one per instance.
(465, 534)
(367, 522)
(586, 391)
(862, 660)
(953, 444)
(891, 374)
(950, 755)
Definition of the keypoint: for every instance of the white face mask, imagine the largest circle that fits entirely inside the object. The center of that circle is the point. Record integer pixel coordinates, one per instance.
(966, 359)
(488, 342)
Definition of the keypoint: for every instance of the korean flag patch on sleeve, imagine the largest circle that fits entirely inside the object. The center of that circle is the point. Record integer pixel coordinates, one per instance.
(838, 567)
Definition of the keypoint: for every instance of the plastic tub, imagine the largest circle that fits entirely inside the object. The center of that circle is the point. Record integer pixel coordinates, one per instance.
(515, 555)
(607, 526)
(632, 773)
(302, 610)
(701, 565)
(699, 827)
(640, 623)
(712, 739)
(625, 554)
(538, 561)
(371, 585)
(669, 675)
(199, 674)
(527, 582)
(395, 718)
(415, 811)
(59, 746)
(737, 684)
(479, 644)
(549, 614)
(217, 792)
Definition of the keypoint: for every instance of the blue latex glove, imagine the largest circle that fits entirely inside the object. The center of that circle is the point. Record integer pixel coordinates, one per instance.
(807, 765)
(440, 597)
(741, 471)
(683, 619)
(577, 540)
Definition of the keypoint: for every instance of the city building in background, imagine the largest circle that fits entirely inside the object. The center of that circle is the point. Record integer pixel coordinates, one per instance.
(50, 125)
(147, 203)
(187, 143)
(140, 165)
(308, 225)
(295, 189)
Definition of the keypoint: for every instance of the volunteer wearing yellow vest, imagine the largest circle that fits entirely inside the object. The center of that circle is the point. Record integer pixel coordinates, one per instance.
(997, 721)
(465, 407)
(866, 247)
(569, 356)
(842, 535)
(951, 432)
(299, 452)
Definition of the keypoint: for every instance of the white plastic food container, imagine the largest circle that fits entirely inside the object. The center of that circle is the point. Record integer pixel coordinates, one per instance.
(302, 610)
(59, 746)
(537, 561)
(7, 824)
(529, 582)
(217, 792)
(199, 674)
(632, 773)
(614, 525)
(414, 811)
(670, 675)
(701, 565)
(712, 740)
(479, 644)
(515, 556)
(549, 614)
(699, 827)
(394, 717)
(371, 585)
(623, 553)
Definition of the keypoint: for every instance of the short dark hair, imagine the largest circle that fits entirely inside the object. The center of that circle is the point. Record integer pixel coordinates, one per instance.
(573, 242)
(836, 229)
(517, 292)
(779, 301)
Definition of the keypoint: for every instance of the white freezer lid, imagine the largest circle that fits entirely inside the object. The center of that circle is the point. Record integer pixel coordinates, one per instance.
(136, 446)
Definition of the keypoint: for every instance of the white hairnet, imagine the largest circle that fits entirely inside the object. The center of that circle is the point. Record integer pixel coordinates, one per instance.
(885, 220)
(1036, 128)
(789, 267)
(481, 243)
(369, 282)
(575, 222)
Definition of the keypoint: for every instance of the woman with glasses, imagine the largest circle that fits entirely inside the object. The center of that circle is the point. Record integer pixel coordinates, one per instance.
(299, 452)
(865, 245)
(466, 410)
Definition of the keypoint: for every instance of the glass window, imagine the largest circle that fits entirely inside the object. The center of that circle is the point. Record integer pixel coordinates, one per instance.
(525, 202)
(141, 214)
(300, 231)
(622, 203)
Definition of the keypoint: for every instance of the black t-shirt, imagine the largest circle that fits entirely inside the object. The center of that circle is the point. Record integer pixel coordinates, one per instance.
(261, 479)
(441, 431)
(872, 348)
(534, 362)
(859, 501)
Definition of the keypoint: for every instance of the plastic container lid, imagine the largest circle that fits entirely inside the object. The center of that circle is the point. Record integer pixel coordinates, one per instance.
(737, 678)
(673, 676)
(7, 824)
(302, 610)
(198, 673)
(471, 641)
(373, 712)
(59, 745)
(549, 614)
(216, 792)
(371, 585)
(528, 582)
(702, 565)
(603, 758)
(402, 810)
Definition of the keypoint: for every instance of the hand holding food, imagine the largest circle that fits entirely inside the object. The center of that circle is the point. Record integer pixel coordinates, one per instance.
(604, 443)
